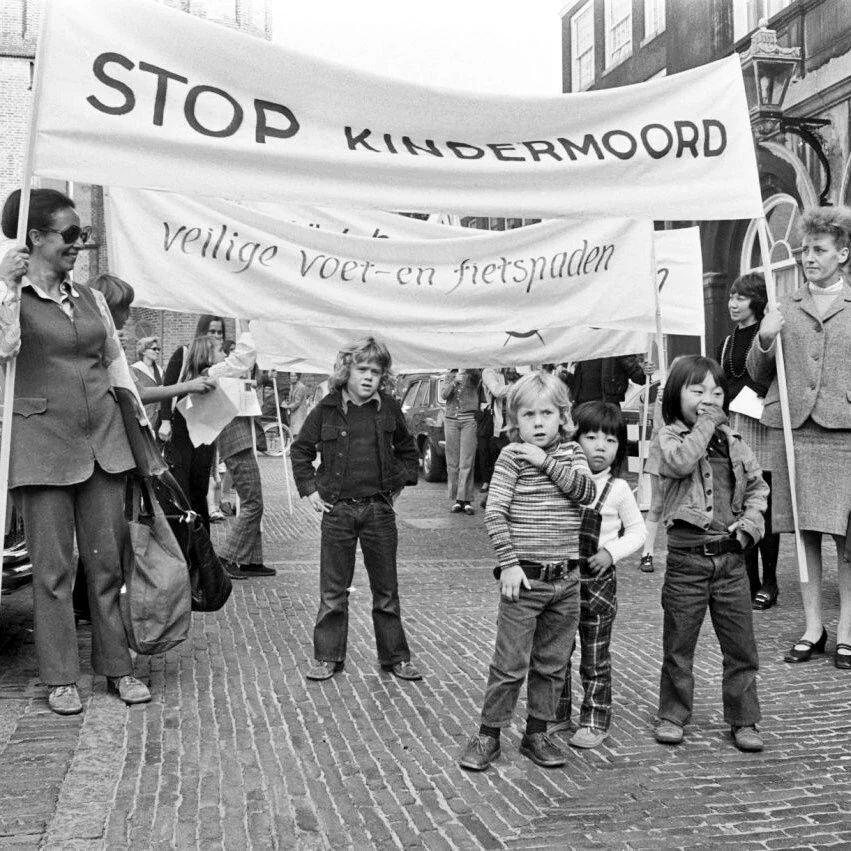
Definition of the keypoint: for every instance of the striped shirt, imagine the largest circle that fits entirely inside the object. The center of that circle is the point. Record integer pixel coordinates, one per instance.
(532, 514)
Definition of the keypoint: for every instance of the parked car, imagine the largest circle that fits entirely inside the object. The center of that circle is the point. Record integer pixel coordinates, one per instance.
(424, 410)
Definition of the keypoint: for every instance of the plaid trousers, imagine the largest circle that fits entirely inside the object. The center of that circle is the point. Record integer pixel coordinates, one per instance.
(598, 607)
(244, 543)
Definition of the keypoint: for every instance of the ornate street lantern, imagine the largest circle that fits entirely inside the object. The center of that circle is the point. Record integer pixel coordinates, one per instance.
(767, 69)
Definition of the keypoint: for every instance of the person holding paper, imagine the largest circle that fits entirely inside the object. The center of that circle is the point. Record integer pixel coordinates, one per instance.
(814, 325)
(747, 304)
(242, 552)
(69, 452)
(190, 464)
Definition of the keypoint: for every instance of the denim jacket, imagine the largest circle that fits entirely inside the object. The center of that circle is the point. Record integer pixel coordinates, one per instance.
(678, 457)
(326, 430)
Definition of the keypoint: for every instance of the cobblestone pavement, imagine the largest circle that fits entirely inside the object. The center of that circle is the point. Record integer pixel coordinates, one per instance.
(237, 750)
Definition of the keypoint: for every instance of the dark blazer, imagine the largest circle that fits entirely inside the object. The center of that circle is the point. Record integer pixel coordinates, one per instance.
(817, 356)
(605, 379)
(326, 430)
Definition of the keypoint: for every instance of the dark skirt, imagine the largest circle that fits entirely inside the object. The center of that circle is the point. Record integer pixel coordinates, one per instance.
(823, 479)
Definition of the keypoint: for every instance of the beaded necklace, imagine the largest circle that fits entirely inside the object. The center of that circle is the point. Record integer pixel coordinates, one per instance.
(730, 368)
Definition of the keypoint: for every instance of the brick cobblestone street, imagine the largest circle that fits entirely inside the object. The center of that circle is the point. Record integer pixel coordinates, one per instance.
(237, 750)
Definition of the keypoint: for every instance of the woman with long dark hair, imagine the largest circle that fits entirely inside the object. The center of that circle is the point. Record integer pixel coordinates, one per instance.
(190, 464)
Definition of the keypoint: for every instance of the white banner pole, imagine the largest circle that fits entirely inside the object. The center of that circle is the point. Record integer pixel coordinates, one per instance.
(770, 288)
(21, 237)
(283, 448)
(642, 491)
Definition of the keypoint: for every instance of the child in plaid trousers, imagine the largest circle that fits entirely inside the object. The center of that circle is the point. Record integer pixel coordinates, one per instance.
(616, 529)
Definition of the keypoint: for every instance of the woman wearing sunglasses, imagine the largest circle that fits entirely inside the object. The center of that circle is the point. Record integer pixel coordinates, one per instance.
(147, 373)
(69, 448)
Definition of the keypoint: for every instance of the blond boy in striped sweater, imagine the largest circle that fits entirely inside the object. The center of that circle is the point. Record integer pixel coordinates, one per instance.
(533, 518)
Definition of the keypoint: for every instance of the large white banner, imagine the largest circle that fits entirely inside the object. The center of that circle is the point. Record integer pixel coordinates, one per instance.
(212, 256)
(134, 93)
(305, 349)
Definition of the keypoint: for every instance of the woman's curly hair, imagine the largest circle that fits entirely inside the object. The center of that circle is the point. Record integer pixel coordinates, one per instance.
(364, 350)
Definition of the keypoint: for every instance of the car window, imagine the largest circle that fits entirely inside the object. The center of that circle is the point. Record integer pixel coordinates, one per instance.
(423, 399)
(408, 401)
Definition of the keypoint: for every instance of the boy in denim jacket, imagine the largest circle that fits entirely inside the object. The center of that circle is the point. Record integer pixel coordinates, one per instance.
(354, 426)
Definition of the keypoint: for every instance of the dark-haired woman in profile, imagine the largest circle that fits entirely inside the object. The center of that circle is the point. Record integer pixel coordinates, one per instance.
(191, 464)
(747, 304)
(69, 448)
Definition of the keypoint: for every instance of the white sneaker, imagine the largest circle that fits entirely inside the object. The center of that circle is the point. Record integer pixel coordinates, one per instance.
(588, 737)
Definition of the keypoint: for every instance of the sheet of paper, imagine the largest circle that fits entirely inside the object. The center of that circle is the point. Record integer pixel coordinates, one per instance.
(747, 403)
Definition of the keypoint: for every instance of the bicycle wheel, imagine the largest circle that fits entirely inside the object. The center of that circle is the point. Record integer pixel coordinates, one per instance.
(273, 440)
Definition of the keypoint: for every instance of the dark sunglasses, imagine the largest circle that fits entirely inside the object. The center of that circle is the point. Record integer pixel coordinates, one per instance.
(154, 348)
(72, 233)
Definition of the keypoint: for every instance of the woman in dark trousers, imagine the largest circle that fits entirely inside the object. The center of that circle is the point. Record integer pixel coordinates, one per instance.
(191, 465)
(69, 452)
(747, 307)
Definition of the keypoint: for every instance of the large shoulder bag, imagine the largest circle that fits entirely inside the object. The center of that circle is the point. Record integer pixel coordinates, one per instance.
(155, 599)
(210, 584)
(143, 443)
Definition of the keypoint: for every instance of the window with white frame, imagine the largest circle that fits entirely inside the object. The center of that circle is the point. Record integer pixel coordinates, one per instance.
(582, 48)
(746, 14)
(654, 18)
(618, 22)
(783, 217)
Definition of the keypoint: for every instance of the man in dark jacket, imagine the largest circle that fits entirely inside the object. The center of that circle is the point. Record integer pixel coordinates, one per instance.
(605, 379)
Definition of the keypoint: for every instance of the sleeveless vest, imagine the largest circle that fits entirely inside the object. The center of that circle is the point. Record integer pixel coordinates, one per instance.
(66, 415)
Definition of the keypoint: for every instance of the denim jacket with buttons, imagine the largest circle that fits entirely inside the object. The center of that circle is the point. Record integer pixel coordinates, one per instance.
(326, 431)
(678, 457)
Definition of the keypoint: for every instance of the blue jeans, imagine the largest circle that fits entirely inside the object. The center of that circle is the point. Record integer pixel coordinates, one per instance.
(374, 525)
(694, 583)
(460, 457)
(533, 636)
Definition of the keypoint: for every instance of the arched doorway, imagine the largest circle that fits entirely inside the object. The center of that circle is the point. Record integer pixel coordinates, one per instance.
(783, 216)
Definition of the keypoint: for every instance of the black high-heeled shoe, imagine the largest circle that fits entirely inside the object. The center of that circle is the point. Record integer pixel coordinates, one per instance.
(796, 655)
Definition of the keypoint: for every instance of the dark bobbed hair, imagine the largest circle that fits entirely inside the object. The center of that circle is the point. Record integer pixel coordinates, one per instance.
(752, 286)
(365, 350)
(204, 323)
(833, 221)
(608, 418)
(119, 294)
(44, 204)
(686, 370)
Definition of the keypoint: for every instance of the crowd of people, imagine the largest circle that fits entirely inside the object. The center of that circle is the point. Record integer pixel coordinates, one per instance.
(550, 447)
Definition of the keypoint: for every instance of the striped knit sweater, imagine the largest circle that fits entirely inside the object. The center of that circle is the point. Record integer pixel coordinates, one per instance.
(534, 514)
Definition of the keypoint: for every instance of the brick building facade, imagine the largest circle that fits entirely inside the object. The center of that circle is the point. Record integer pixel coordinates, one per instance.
(19, 27)
(609, 43)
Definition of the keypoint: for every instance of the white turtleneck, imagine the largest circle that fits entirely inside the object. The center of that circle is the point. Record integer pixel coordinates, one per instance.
(825, 296)
(619, 510)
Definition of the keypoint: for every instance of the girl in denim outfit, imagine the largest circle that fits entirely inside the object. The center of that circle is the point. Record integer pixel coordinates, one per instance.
(714, 499)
